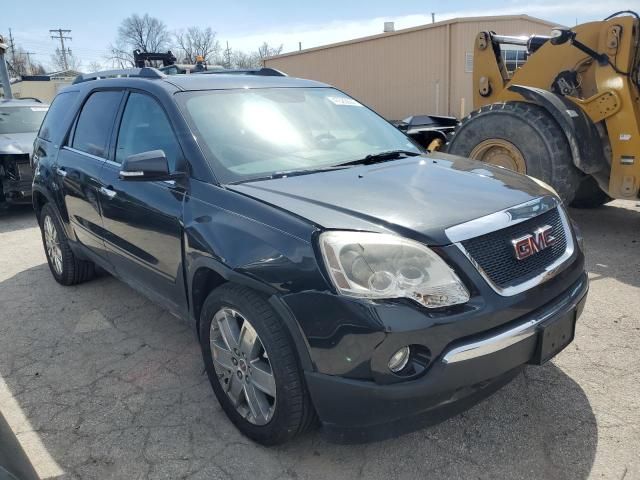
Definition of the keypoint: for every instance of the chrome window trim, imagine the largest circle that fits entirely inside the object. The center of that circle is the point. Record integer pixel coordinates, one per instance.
(506, 218)
(80, 152)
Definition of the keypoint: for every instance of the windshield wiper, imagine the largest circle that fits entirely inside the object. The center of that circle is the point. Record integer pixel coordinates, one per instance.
(380, 157)
(290, 173)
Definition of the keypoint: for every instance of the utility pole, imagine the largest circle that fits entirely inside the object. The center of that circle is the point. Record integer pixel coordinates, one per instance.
(227, 56)
(12, 46)
(61, 36)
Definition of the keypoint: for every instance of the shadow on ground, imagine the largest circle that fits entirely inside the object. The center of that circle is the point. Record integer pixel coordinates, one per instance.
(612, 239)
(114, 388)
(16, 217)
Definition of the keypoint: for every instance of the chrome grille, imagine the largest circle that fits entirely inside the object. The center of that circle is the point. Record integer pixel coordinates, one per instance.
(494, 254)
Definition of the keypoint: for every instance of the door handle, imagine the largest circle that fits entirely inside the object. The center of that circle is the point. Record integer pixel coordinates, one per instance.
(61, 171)
(108, 192)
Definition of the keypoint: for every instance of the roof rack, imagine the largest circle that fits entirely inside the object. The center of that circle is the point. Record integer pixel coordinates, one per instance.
(145, 72)
(264, 71)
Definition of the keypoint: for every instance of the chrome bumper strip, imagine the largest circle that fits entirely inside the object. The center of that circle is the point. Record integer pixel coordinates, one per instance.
(513, 335)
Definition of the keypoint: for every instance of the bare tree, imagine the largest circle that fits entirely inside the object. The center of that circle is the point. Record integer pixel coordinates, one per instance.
(18, 64)
(37, 69)
(144, 33)
(94, 67)
(265, 50)
(243, 60)
(197, 41)
(57, 61)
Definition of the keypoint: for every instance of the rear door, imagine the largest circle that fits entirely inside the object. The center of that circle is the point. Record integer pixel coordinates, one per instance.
(79, 165)
(143, 219)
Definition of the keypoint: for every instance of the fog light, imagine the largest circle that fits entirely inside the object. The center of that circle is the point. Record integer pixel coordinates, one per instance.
(399, 359)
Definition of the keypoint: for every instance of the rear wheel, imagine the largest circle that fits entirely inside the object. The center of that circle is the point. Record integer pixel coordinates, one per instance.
(522, 137)
(252, 366)
(66, 268)
(590, 195)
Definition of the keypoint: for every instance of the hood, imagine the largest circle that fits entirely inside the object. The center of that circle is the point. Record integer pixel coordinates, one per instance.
(11, 143)
(415, 197)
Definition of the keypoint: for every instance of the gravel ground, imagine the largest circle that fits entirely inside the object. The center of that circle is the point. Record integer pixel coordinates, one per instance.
(97, 382)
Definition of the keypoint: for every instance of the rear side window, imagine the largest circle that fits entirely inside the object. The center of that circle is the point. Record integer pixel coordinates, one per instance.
(59, 113)
(95, 122)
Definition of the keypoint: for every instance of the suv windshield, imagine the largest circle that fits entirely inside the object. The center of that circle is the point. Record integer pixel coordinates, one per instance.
(21, 119)
(259, 132)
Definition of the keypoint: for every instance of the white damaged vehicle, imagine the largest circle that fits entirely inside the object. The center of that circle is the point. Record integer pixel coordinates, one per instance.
(20, 121)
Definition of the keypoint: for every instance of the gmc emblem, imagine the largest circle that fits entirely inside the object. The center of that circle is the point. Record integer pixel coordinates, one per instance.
(529, 244)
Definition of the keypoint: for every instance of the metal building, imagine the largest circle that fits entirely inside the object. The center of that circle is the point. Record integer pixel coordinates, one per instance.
(425, 69)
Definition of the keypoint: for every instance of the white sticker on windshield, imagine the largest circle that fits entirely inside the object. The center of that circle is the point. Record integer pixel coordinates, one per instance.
(39, 109)
(344, 101)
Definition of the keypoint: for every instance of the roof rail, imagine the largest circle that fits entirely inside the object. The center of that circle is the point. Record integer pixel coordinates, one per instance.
(264, 71)
(145, 72)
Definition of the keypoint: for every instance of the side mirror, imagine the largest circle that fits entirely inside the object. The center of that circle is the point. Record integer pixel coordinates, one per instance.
(561, 35)
(146, 166)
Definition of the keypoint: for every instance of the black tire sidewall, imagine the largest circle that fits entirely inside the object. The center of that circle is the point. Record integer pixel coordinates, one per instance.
(48, 211)
(277, 430)
(532, 131)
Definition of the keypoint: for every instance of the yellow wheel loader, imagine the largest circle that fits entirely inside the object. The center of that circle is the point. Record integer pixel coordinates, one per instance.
(569, 116)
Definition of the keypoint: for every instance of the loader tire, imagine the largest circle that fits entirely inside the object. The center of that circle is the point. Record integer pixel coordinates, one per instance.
(523, 137)
(590, 195)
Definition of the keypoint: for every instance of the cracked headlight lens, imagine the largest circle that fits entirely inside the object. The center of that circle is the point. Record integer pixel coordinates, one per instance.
(376, 265)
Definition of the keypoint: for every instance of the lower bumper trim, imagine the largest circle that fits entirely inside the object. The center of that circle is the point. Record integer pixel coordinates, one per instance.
(513, 335)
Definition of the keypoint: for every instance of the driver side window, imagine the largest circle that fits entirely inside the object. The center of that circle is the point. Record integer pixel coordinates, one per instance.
(145, 127)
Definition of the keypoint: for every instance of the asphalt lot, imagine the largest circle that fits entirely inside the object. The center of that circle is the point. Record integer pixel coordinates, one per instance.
(97, 382)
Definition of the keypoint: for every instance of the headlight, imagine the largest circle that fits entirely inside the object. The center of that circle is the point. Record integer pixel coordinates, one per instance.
(375, 265)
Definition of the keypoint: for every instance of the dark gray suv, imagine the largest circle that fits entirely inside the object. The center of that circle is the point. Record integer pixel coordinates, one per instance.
(332, 271)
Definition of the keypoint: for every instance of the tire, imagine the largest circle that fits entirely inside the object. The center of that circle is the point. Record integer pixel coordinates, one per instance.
(528, 128)
(289, 411)
(65, 267)
(590, 195)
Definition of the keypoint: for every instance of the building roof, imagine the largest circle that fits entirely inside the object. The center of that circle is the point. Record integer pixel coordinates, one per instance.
(421, 27)
(62, 74)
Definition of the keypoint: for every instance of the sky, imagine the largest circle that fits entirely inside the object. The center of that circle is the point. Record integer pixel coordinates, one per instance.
(247, 24)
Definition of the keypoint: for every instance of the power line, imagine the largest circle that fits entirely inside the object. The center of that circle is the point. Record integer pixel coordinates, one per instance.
(61, 36)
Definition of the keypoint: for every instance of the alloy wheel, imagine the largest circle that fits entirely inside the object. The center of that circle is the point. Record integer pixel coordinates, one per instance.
(52, 244)
(242, 365)
(500, 152)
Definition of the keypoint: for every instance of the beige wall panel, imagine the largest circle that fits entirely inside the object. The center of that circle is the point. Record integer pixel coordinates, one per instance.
(419, 70)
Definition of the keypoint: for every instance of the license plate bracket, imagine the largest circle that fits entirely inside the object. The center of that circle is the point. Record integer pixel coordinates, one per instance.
(554, 336)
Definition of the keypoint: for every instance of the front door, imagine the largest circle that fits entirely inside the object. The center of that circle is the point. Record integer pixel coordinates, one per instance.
(142, 219)
(79, 165)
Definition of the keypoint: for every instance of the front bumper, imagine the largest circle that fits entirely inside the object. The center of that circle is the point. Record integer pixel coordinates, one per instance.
(467, 371)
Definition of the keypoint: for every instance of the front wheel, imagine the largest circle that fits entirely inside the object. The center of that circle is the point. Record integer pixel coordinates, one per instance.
(252, 366)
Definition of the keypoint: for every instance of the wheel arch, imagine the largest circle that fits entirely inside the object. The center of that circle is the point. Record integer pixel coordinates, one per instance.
(209, 274)
(584, 141)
